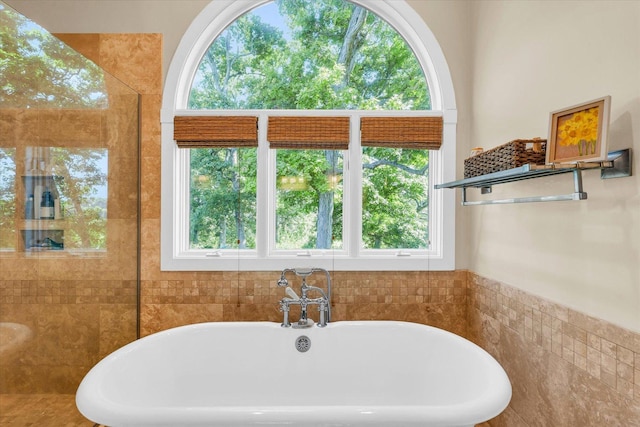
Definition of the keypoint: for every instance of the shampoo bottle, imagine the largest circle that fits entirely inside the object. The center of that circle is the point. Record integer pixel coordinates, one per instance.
(47, 208)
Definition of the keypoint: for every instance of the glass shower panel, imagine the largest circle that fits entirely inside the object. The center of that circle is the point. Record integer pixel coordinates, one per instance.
(69, 206)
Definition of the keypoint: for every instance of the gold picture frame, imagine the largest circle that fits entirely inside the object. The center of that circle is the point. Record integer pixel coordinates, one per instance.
(579, 133)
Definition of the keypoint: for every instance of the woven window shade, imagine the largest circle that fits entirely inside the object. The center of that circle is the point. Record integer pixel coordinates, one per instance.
(215, 131)
(304, 133)
(402, 132)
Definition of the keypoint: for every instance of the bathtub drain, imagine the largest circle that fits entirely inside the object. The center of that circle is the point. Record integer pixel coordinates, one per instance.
(303, 343)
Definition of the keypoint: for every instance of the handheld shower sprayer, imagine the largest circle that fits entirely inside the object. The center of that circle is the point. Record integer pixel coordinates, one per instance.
(291, 294)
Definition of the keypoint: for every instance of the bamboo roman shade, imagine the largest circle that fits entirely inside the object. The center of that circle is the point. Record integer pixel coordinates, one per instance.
(402, 132)
(304, 133)
(215, 131)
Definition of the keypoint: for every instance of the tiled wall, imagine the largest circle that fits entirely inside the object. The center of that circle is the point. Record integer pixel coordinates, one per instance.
(72, 327)
(435, 298)
(566, 368)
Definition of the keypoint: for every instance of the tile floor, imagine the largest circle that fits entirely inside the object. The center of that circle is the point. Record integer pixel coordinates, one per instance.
(40, 410)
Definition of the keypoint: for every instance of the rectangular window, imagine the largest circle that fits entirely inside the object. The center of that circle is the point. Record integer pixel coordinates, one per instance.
(395, 198)
(332, 192)
(309, 199)
(222, 202)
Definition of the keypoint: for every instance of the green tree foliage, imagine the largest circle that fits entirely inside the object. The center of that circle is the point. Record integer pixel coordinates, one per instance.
(395, 187)
(255, 65)
(304, 219)
(223, 197)
(331, 54)
(41, 71)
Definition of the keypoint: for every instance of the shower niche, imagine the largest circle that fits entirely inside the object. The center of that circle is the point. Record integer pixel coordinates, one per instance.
(42, 226)
(63, 200)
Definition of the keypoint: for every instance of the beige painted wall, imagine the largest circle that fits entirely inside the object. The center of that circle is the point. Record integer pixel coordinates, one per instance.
(511, 62)
(530, 58)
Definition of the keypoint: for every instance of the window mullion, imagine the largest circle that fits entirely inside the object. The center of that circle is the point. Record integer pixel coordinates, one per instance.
(182, 206)
(353, 210)
(265, 191)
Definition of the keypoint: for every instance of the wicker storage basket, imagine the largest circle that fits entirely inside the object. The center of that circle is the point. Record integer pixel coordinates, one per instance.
(507, 156)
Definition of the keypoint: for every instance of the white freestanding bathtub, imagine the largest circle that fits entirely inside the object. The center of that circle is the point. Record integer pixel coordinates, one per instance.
(369, 373)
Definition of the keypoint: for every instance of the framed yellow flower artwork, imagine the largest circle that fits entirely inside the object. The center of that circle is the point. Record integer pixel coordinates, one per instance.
(579, 133)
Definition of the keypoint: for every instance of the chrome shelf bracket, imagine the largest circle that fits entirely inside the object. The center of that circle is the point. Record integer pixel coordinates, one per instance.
(621, 168)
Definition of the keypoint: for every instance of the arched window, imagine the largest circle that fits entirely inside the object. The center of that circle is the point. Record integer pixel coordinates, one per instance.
(307, 132)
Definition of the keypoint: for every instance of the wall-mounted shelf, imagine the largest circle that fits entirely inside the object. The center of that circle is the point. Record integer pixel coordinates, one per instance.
(617, 165)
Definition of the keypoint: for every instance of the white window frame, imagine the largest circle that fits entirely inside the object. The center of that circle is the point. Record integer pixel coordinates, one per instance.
(175, 252)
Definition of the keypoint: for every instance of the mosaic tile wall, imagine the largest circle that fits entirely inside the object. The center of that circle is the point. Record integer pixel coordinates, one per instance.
(435, 298)
(67, 292)
(566, 368)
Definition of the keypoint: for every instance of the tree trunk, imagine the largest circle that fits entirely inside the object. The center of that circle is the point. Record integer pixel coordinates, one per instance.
(352, 41)
(242, 239)
(324, 224)
(223, 233)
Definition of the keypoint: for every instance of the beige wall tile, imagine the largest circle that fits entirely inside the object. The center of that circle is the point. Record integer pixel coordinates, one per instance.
(580, 373)
(157, 317)
(134, 59)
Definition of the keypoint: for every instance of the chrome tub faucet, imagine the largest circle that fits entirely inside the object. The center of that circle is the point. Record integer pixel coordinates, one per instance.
(323, 301)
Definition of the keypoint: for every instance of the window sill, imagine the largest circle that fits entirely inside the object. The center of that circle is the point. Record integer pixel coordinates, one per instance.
(229, 262)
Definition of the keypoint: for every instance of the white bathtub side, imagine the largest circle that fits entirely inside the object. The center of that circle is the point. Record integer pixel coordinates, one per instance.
(355, 373)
